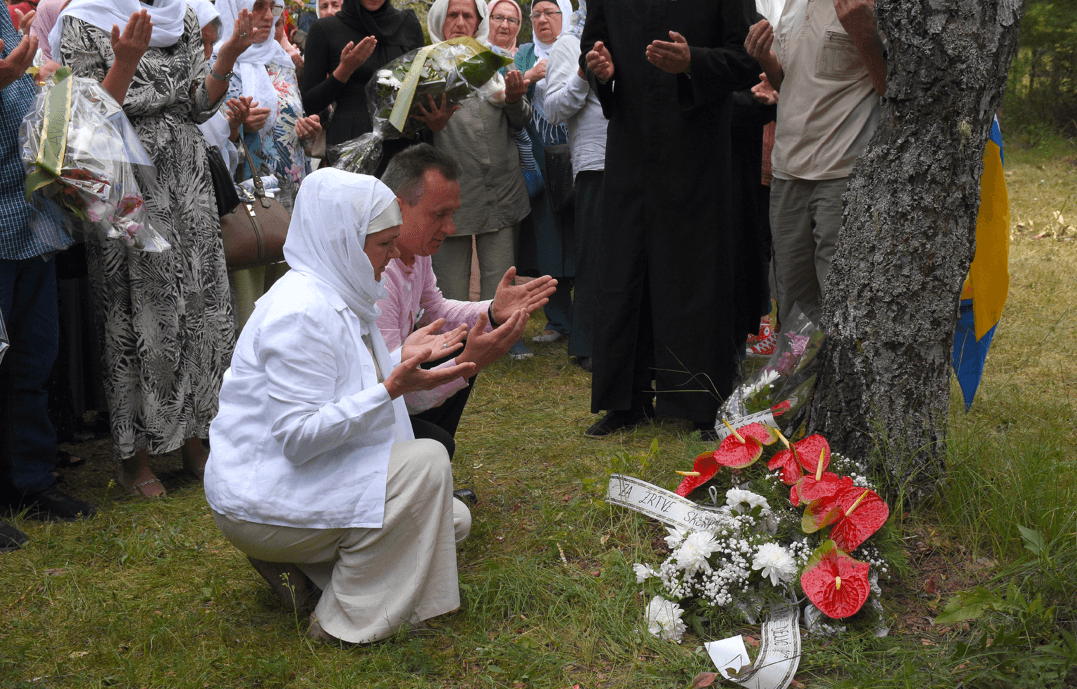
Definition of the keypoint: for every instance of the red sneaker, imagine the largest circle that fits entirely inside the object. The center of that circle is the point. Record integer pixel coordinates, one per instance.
(763, 348)
(764, 332)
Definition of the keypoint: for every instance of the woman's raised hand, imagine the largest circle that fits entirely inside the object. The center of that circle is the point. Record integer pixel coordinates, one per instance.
(257, 117)
(238, 110)
(353, 56)
(24, 21)
(408, 377)
(131, 45)
(515, 86)
(308, 128)
(242, 35)
(536, 73)
(440, 344)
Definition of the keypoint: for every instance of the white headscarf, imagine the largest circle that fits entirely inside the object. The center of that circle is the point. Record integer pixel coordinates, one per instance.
(167, 17)
(542, 50)
(251, 65)
(206, 11)
(435, 20)
(330, 220)
(579, 18)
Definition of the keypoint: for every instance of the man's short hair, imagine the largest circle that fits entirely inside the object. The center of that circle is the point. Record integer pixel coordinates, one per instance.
(405, 172)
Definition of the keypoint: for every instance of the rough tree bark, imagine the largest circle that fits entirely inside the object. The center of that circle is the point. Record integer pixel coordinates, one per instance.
(907, 235)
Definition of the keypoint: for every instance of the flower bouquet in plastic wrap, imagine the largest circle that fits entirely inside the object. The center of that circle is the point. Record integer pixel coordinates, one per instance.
(81, 152)
(778, 394)
(458, 68)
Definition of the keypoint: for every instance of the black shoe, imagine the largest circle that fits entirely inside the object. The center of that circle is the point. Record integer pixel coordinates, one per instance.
(11, 538)
(584, 362)
(706, 431)
(52, 504)
(297, 593)
(466, 496)
(619, 420)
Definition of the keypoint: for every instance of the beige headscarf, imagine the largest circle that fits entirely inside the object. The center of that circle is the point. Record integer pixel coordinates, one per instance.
(435, 20)
(519, 16)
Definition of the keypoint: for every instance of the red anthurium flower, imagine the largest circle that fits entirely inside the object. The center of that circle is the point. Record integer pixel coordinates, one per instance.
(743, 447)
(807, 453)
(835, 582)
(809, 488)
(787, 462)
(855, 512)
(811, 451)
(780, 408)
(863, 513)
(765, 434)
(704, 470)
(825, 511)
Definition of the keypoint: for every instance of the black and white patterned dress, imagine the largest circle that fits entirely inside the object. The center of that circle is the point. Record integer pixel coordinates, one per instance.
(165, 319)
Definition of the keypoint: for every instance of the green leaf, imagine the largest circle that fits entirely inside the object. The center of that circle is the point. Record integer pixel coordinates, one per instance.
(970, 605)
(1033, 541)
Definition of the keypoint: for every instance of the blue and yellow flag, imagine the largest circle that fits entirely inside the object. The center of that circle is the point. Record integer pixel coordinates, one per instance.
(984, 294)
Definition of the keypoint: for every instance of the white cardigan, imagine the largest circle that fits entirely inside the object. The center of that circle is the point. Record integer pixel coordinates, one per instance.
(304, 429)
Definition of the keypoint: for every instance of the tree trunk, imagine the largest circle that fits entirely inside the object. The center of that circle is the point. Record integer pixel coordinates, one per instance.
(907, 236)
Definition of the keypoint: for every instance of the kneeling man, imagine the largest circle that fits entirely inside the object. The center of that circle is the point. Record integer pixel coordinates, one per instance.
(424, 180)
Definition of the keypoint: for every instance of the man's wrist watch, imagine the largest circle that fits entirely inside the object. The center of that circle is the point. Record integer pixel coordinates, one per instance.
(219, 77)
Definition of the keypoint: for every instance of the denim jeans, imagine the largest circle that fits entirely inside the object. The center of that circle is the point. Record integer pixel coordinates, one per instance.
(27, 438)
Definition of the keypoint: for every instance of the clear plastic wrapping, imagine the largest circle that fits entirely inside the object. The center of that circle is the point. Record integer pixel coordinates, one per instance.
(81, 152)
(3, 337)
(458, 68)
(779, 393)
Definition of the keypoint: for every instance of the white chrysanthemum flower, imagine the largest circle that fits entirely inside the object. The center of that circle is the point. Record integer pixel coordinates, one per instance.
(386, 78)
(776, 563)
(694, 551)
(675, 537)
(736, 499)
(664, 619)
(643, 572)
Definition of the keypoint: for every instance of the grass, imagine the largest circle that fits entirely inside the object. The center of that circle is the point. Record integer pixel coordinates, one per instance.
(149, 594)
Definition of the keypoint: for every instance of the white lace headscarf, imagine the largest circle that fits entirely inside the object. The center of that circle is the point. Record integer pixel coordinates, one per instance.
(207, 13)
(435, 20)
(251, 65)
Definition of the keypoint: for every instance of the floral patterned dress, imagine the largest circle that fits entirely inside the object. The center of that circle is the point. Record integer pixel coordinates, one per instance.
(279, 152)
(164, 319)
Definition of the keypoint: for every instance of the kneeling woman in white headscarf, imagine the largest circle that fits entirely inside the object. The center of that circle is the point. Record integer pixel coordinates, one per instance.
(314, 471)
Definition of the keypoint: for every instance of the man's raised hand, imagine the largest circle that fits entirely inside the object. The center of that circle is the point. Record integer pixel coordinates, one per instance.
(510, 298)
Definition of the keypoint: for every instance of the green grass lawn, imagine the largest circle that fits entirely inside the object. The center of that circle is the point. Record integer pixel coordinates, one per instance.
(148, 594)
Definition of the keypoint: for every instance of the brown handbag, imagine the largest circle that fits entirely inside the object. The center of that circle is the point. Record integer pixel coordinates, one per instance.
(254, 232)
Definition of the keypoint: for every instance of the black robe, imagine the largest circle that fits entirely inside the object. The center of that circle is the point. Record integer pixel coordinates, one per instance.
(665, 281)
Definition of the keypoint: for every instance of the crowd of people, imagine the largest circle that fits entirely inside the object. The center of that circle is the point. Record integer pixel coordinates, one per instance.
(319, 398)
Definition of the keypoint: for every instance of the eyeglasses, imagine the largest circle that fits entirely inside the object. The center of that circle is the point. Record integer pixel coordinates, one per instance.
(501, 19)
(260, 7)
(549, 14)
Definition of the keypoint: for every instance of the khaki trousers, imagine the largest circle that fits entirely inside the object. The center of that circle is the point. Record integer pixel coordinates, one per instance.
(376, 581)
(452, 262)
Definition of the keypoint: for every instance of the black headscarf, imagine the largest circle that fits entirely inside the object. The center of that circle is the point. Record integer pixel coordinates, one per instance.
(387, 24)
